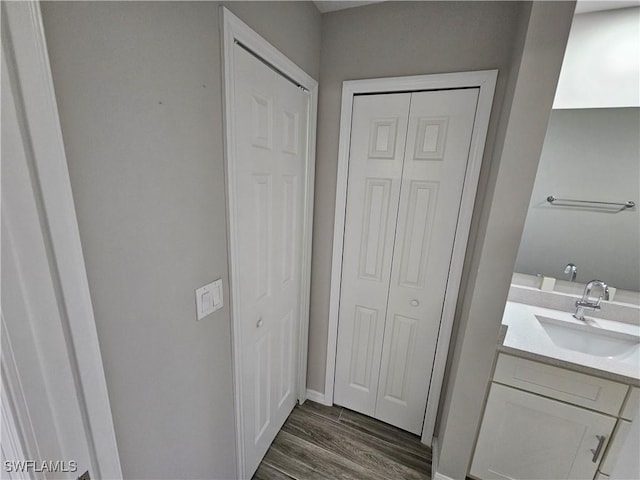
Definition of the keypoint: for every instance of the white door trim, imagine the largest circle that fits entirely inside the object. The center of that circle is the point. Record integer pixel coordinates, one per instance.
(28, 58)
(17, 428)
(235, 30)
(484, 80)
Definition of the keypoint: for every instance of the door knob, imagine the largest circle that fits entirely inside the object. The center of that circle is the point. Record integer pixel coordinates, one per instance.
(260, 322)
(415, 303)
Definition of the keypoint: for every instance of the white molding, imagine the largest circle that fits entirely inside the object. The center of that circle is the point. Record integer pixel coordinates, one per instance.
(317, 397)
(11, 446)
(233, 29)
(484, 80)
(30, 62)
(440, 476)
(18, 437)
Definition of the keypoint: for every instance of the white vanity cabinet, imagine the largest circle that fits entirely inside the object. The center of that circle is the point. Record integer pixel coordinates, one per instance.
(621, 458)
(545, 422)
(617, 442)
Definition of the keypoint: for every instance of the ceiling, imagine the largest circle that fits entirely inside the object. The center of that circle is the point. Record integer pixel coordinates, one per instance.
(333, 5)
(583, 6)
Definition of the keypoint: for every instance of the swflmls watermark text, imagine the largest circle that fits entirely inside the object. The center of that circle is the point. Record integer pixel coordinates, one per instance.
(39, 466)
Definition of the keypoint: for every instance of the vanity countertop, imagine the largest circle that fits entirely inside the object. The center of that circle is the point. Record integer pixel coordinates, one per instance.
(526, 336)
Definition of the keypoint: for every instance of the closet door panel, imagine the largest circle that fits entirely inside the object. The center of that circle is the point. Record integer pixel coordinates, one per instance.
(379, 126)
(435, 161)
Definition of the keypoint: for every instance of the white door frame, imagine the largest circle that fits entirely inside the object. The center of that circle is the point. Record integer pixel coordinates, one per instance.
(26, 53)
(235, 30)
(484, 80)
(16, 426)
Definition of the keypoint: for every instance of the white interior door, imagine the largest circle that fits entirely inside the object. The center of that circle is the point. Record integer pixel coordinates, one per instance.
(395, 275)
(375, 171)
(435, 161)
(271, 115)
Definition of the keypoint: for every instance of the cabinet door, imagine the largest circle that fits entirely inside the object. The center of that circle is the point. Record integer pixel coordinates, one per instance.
(618, 440)
(525, 436)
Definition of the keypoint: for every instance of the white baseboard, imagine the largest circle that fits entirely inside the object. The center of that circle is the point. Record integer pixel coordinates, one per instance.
(435, 456)
(439, 476)
(317, 397)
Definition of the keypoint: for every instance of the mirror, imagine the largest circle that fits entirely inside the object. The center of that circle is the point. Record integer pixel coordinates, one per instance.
(589, 155)
(592, 155)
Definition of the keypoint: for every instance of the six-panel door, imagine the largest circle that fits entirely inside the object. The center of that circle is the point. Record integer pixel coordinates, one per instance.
(270, 150)
(407, 165)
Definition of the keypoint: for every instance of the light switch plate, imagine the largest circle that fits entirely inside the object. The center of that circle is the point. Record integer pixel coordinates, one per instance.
(209, 299)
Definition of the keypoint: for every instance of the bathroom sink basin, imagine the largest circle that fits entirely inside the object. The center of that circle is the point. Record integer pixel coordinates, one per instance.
(589, 339)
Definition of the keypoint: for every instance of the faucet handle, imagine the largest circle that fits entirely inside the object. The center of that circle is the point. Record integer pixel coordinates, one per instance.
(588, 304)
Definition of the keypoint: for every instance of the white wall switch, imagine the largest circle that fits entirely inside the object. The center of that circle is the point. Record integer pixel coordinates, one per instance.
(209, 299)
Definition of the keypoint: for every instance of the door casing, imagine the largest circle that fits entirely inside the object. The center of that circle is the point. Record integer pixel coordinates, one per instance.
(235, 30)
(485, 80)
(29, 72)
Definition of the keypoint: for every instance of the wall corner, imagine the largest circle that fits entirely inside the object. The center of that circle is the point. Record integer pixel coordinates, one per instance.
(521, 135)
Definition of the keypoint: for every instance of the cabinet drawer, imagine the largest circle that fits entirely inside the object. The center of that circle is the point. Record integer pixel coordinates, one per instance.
(572, 387)
(632, 405)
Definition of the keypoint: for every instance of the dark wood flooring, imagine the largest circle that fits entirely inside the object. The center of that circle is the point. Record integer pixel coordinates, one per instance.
(319, 442)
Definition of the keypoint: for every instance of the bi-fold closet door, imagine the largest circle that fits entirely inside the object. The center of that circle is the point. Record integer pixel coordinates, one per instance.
(407, 164)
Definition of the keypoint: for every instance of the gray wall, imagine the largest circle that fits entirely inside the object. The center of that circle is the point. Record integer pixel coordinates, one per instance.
(138, 87)
(537, 58)
(139, 93)
(589, 154)
(393, 39)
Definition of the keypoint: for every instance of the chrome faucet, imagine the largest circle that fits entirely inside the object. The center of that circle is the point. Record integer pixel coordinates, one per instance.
(587, 302)
(571, 270)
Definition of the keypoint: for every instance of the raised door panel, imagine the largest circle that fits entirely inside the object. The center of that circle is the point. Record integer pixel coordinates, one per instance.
(375, 223)
(402, 345)
(416, 239)
(261, 120)
(361, 374)
(525, 436)
(285, 353)
(262, 238)
(262, 386)
(435, 161)
(379, 125)
(267, 193)
(290, 226)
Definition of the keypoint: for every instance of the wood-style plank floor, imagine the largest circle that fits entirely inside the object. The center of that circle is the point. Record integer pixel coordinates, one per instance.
(318, 442)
